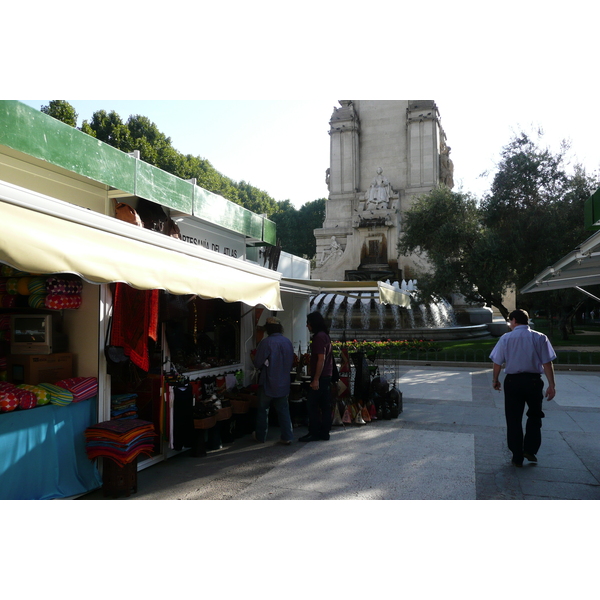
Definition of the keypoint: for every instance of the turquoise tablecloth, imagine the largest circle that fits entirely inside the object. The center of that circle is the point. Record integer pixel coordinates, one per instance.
(42, 452)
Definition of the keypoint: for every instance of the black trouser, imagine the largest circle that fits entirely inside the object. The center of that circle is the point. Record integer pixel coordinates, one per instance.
(319, 409)
(521, 389)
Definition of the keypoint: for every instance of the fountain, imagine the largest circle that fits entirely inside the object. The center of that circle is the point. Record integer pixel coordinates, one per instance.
(361, 316)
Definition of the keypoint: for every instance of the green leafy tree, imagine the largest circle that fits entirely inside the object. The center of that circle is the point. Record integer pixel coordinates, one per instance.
(525, 206)
(110, 129)
(295, 227)
(536, 207)
(62, 111)
(531, 217)
(445, 228)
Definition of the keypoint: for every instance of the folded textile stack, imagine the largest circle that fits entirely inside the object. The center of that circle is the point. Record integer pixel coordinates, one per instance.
(123, 406)
(120, 440)
(82, 388)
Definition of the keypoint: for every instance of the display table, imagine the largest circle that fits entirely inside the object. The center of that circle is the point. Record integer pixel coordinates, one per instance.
(42, 452)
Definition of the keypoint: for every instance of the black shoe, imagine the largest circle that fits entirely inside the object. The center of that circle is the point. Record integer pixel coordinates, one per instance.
(530, 457)
(308, 438)
(516, 463)
(324, 437)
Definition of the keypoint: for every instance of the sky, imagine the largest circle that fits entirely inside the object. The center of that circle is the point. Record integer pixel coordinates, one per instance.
(282, 146)
(251, 87)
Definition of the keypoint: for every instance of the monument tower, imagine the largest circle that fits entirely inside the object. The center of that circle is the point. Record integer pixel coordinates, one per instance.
(383, 154)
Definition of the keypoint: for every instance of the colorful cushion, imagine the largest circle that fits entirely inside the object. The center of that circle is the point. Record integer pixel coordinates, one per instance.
(42, 396)
(56, 285)
(27, 399)
(37, 285)
(58, 396)
(57, 301)
(37, 300)
(8, 300)
(9, 400)
(23, 286)
(82, 388)
(12, 286)
(7, 271)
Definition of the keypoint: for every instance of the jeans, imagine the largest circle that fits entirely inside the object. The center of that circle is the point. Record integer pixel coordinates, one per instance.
(280, 404)
(319, 409)
(521, 389)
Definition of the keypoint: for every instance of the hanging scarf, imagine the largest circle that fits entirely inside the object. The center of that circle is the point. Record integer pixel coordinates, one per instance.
(135, 321)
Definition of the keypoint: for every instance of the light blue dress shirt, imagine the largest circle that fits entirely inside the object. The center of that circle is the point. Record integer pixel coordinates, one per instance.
(523, 350)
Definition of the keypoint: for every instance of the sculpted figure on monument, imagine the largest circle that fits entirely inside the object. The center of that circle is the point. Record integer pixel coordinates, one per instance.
(446, 167)
(379, 193)
(334, 251)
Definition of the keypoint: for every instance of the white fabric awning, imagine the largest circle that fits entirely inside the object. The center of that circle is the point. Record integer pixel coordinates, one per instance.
(579, 267)
(390, 295)
(44, 235)
(387, 293)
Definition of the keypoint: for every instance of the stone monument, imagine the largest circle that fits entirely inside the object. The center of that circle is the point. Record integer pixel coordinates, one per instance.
(384, 153)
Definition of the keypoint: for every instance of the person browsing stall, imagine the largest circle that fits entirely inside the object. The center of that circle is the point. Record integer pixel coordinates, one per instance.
(321, 369)
(275, 358)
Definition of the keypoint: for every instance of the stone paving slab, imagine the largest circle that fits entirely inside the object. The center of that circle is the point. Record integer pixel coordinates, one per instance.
(577, 390)
(374, 464)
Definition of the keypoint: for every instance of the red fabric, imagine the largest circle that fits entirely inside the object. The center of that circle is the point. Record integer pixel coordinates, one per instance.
(135, 321)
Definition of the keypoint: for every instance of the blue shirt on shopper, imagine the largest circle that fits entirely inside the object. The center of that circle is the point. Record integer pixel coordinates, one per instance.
(275, 358)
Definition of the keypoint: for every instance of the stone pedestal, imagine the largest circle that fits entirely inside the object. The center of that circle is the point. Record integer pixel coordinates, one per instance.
(384, 153)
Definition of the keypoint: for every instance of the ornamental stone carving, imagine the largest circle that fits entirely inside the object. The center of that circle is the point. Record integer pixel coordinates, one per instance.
(378, 195)
(334, 251)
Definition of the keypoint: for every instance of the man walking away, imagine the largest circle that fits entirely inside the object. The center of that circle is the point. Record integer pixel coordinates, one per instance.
(525, 354)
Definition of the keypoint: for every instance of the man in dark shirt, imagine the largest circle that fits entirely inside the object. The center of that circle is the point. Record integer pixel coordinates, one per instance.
(321, 368)
(275, 358)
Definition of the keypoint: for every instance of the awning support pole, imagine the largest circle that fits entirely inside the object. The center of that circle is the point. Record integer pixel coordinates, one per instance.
(587, 293)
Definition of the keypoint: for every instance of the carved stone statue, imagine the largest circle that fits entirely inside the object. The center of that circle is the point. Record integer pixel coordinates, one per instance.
(378, 195)
(334, 251)
(446, 167)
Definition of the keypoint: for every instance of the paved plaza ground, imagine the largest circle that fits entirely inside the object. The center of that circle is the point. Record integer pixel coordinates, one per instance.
(449, 443)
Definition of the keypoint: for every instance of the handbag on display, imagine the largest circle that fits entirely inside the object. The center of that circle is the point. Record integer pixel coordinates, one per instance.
(115, 355)
(335, 374)
(126, 213)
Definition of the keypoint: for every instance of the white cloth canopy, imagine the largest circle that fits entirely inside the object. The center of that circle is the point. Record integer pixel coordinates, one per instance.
(35, 241)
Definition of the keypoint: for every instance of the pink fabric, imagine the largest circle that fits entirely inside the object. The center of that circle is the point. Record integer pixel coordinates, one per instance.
(82, 388)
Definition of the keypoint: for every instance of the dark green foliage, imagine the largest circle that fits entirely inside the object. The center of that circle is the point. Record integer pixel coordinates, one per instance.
(532, 216)
(62, 111)
(295, 227)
